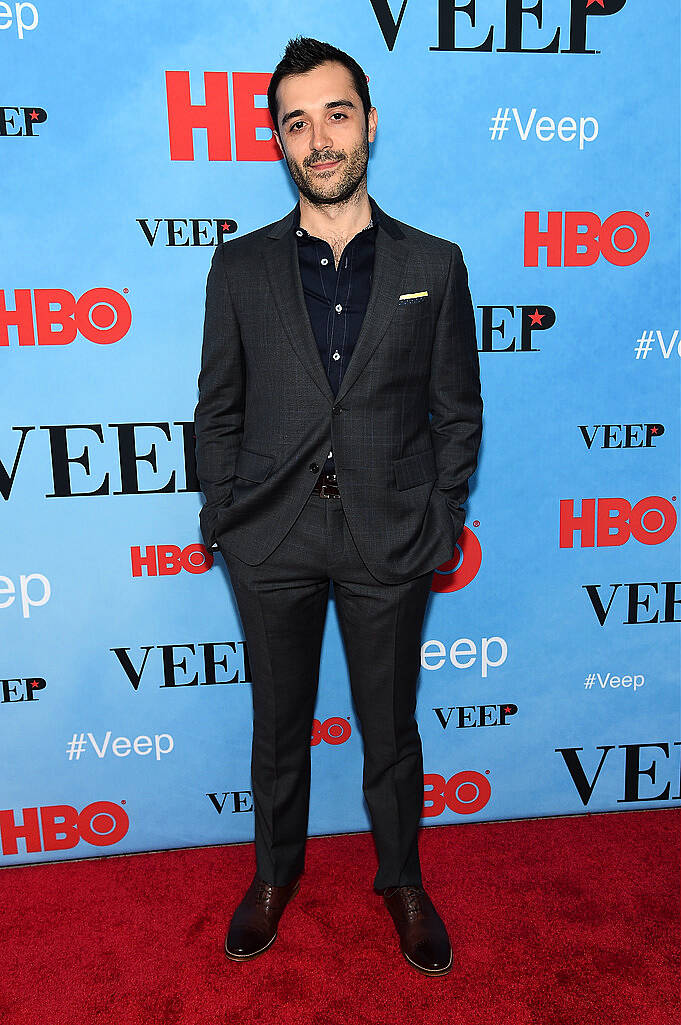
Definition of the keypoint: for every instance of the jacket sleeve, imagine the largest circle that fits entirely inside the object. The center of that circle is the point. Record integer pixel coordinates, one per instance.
(219, 412)
(455, 400)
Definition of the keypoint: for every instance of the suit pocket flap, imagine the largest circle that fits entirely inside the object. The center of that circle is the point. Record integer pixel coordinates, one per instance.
(252, 465)
(415, 469)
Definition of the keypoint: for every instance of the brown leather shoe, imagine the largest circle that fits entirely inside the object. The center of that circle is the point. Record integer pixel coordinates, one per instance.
(254, 923)
(423, 936)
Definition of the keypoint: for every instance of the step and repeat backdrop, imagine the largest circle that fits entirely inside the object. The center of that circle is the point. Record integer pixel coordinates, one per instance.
(544, 139)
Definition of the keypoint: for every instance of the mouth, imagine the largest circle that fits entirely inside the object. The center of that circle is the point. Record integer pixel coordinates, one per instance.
(325, 167)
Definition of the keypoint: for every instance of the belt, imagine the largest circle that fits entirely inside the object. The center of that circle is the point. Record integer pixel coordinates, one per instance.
(326, 486)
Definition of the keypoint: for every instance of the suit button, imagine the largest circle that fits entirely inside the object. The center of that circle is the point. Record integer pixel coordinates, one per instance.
(337, 410)
(314, 467)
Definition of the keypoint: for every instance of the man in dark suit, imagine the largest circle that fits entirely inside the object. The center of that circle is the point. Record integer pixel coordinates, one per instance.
(338, 422)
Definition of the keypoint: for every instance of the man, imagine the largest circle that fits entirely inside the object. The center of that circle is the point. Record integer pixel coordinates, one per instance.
(338, 422)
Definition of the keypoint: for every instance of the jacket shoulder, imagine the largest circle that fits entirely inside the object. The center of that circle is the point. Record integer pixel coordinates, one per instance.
(439, 251)
(245, 245)
(434, 244)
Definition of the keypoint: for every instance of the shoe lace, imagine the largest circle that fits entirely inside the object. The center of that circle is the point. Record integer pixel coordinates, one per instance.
(263, 892)
(412, 899)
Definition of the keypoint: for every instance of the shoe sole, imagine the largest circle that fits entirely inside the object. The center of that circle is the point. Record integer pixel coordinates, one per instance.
(248, 957)
(430, 971)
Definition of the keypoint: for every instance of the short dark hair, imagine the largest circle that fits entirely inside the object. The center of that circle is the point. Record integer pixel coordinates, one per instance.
(303, 54)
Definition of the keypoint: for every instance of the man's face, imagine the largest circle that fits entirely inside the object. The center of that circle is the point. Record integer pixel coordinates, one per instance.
(322, 133)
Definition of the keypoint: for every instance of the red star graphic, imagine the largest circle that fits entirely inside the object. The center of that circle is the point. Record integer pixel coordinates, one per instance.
(653, 430)
(507, 709)
(32, 683)
(225, 226)
(536, 317)
(34, 115)
(590, 2)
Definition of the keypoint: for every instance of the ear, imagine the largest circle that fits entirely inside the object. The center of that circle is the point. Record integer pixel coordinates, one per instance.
(373, 121)
(278, 142)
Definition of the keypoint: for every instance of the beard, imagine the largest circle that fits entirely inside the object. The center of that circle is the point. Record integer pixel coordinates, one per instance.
(346, 179)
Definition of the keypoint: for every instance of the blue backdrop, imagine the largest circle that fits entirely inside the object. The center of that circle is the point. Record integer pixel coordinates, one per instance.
(550, 680)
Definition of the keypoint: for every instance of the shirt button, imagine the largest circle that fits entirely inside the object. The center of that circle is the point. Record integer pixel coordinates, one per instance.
(299, 233)
(336, 354)
(324, 261)
(339, 308)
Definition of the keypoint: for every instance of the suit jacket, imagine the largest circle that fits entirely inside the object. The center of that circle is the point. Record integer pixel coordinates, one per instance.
(406, 423)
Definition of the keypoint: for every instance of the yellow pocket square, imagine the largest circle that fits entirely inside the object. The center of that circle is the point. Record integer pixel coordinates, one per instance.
(413, 295)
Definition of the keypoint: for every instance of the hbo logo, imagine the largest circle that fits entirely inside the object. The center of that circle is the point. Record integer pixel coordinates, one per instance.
(169, 560)
(464, 793)
(612, 521)
(331, 731)
(101, 315)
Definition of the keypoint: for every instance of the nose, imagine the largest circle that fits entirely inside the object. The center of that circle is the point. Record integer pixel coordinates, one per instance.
(320, 137)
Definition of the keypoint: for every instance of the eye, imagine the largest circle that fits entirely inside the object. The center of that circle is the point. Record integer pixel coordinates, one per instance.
(336, 113)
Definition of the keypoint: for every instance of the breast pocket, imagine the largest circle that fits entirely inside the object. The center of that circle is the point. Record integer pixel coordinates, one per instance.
(413, 309)
(412, 317)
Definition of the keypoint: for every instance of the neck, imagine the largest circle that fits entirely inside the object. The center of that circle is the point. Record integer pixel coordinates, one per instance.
(336, 220)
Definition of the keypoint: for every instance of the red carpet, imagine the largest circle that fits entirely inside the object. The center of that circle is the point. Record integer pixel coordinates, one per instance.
(563, 921)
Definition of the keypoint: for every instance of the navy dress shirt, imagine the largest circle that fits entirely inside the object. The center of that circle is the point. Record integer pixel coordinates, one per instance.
(336, 299)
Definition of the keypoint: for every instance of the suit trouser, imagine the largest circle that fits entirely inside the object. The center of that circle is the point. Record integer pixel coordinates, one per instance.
(282, 604)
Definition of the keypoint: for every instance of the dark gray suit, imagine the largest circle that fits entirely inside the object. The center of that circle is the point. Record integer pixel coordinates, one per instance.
(265, 420)
(266, 416)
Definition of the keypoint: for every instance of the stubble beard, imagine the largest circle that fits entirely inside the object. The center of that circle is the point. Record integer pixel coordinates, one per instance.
(352, 174)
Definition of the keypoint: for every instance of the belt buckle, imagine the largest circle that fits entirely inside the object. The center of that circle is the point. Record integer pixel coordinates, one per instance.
(323, 489)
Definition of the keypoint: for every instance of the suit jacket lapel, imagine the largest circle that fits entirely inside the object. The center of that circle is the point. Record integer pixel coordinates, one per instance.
(390, 262)
(281, 261)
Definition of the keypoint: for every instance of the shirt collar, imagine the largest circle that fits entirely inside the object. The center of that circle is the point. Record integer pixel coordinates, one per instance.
(371, 226)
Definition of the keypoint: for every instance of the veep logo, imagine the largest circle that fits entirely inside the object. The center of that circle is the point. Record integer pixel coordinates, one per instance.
(638, 602)
(101, 315)
(21, 689)
(32, 117)
(169, 560)
(59, 827)
(458, 571)
(464, 793)
(175, 671)
(475, 716)
(183, 231)
(172, 459)
(523, 21)
(633, 771)
(521, 329)
(622, 238)
(21, 25)
(611, 521)
(39, 597)
(240, 801)
(250, 120)
(463, 654)
(622, 435)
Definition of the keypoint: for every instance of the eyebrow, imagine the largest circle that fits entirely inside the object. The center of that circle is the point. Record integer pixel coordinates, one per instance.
(327, 106)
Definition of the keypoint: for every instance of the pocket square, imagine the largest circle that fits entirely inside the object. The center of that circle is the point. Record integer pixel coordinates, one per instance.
(413, 297)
